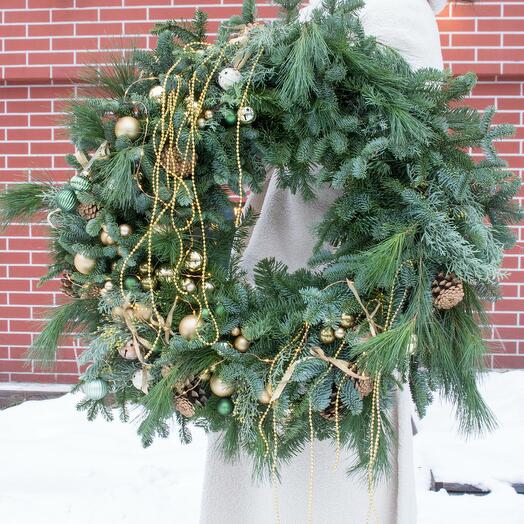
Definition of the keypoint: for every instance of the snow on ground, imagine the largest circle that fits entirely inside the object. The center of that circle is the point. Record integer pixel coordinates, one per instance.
(55, 467)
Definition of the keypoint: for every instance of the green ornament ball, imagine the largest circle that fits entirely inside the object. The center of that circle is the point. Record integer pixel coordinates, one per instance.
(220, 310)
(230, 117)
(66, 200)
(80, 183)
(131, 283)
(95, 389)
(225, 406)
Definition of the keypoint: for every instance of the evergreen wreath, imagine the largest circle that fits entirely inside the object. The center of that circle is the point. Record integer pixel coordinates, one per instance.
(149, 243)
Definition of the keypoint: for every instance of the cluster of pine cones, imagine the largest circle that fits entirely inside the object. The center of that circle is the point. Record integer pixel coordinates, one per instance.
(189, 396)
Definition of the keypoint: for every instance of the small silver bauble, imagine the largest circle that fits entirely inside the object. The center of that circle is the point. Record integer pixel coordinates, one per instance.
(95, 389)
(228, 77)
(246, 115)
(108, 285)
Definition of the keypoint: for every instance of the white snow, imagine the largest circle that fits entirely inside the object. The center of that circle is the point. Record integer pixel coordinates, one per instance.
(56, 467)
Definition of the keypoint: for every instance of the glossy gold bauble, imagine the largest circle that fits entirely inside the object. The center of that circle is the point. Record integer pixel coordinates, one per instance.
(188, 326)
(142, 312)
(143, 268)
(84, 264)
(340, 333)
(241, 344)
(347, 321)
(235, 332)
(106, 239)
(188, 285)
(220, 388)
(148, 283)
(128, 350)
(125, 230)
(156, 92)
(127, 126)
(327, 335)
(264, 397)
(208, 114)
(194, 261)
(201, 123)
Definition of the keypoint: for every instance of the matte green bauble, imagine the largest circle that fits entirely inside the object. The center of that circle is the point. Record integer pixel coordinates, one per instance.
(230, 117)
(225, 406)
(131, 283)
(66, 200)
(95, 389)
(80, 183)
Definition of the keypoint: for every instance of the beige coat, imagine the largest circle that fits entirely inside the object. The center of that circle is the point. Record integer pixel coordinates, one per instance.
(284, 231)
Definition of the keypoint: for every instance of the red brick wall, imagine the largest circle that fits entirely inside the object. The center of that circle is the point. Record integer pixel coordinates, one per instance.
(45, 43)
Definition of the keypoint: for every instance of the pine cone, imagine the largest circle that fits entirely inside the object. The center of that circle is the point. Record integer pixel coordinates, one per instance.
(330, 412)
(173, 162)
(189, 396)
(447, 291)
(88, 211)
(364, 387)
(67, 286)
(89, 291)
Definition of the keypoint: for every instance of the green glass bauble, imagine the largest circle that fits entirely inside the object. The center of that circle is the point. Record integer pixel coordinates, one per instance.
(131, 283)
(225, 406)
(80, 183)
(220, 310)
(66, 200)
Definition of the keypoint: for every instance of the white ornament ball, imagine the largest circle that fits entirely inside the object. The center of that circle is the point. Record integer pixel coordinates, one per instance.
(95, 389)
(228, 77)
(156, 92)
(127, 126)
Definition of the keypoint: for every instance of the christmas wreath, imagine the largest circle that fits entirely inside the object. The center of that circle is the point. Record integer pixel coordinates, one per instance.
(148, 240)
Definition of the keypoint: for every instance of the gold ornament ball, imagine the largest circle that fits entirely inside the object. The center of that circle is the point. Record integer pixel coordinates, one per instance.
(188, 326)
(340, 333)
(106, 239)
(264, 397)
(143, 312)
(208, 114)
(201, 122)
(194, 261)
(84, 264)
(235, 331)
(220, 388)
(188, 285)
(165, 273)
(127, 126)
(125, 230)
(143, 268)
(327, 335)
(156, 92)
(241, 344)
(148, 283)
(346, 320)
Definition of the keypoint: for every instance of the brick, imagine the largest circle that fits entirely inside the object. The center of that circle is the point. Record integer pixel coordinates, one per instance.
(514, 10)
(51, 30)
(74, 15)
(43, 378)
(109, 28)
(15, 365)
(123, 14)
(476, 10)
(476, 40)
(27, 16)
(27, 44)
(48, 58)
(508, 361)
(98, 3)
(22, 74)
(501, 25)
(12, 30)
(12, 59)
(503, 55)
(513, 40)
(29, 134)
(62, 44)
